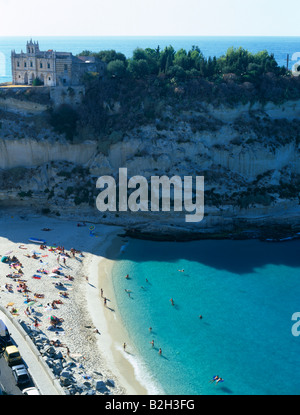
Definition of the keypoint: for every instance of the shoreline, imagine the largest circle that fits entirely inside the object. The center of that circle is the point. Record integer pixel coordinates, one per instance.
(108, 320)
(269, 234)
(85, 353)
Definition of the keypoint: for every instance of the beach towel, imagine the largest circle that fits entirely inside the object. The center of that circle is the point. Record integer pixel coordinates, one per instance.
(37, 277)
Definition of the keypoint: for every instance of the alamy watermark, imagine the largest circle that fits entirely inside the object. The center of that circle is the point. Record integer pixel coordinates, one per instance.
(162, 194)
(296, 326)
(296, 66)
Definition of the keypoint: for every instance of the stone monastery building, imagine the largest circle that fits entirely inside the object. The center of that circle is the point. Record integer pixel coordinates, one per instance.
(52, 68)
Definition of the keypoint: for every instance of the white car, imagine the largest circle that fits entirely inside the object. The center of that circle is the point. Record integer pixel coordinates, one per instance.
(20, 374)
(30, 391)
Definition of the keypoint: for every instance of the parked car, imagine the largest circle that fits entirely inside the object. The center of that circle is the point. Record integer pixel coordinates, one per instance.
(21, 375)
(12, 356)
(31, 391)
(4, 334)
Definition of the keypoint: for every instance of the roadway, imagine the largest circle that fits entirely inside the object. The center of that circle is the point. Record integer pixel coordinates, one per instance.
(36, 370)
(7, 381)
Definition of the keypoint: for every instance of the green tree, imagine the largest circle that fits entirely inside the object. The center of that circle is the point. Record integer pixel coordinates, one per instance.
(138, 68)
(182, 59)
(196, 57)
(150, 56)
(110, 55)
(116, 69)
(166, 58)
(85, 53)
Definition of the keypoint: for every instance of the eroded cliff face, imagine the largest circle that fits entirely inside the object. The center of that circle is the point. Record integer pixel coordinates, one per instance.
(248, 155)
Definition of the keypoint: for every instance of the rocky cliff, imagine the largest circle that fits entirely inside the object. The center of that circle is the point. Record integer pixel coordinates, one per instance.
(248, 155)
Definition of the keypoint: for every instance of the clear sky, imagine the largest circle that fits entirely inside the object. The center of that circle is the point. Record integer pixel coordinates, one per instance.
(149, 17)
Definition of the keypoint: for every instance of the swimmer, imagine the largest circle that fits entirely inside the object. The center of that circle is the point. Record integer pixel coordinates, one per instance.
(152, 342)
(160, 352)
(200, 317)
(219, 380)
(180, 270)
(150, 329)
(172, 302)
(214, 379)
(127, 276)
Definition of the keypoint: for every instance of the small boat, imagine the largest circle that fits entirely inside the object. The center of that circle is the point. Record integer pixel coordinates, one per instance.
(37, 241)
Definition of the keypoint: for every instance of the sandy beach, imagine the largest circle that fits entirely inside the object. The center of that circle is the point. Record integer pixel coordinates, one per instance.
(91, 331)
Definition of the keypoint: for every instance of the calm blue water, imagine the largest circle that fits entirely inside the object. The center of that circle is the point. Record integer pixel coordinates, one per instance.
(246, 292)
(210, 46)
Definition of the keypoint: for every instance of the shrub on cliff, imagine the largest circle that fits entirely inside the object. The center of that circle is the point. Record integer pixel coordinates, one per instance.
(64, 120)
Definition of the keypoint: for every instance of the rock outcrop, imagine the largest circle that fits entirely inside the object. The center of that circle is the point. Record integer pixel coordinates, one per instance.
(248, 155)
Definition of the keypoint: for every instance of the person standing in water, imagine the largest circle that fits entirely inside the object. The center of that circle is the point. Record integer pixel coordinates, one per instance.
(160, 352)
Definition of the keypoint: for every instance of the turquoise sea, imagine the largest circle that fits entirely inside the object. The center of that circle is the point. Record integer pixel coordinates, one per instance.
(210, 46)
(246, 292)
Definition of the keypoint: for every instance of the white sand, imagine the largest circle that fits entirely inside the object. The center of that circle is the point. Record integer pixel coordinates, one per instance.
(83, 311)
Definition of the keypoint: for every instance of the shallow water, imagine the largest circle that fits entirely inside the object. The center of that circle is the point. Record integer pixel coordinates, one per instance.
(246, 292)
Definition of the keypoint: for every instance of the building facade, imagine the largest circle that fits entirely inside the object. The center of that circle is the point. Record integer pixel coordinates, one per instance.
(51, 68)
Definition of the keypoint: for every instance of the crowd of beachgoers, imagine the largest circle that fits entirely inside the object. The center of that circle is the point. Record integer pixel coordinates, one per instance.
(43, 286)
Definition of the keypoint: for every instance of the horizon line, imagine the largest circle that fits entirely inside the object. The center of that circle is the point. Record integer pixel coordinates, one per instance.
(80, 35)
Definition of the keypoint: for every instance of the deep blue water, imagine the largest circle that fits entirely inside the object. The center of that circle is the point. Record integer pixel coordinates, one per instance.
(210, 46)
(246, 292)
